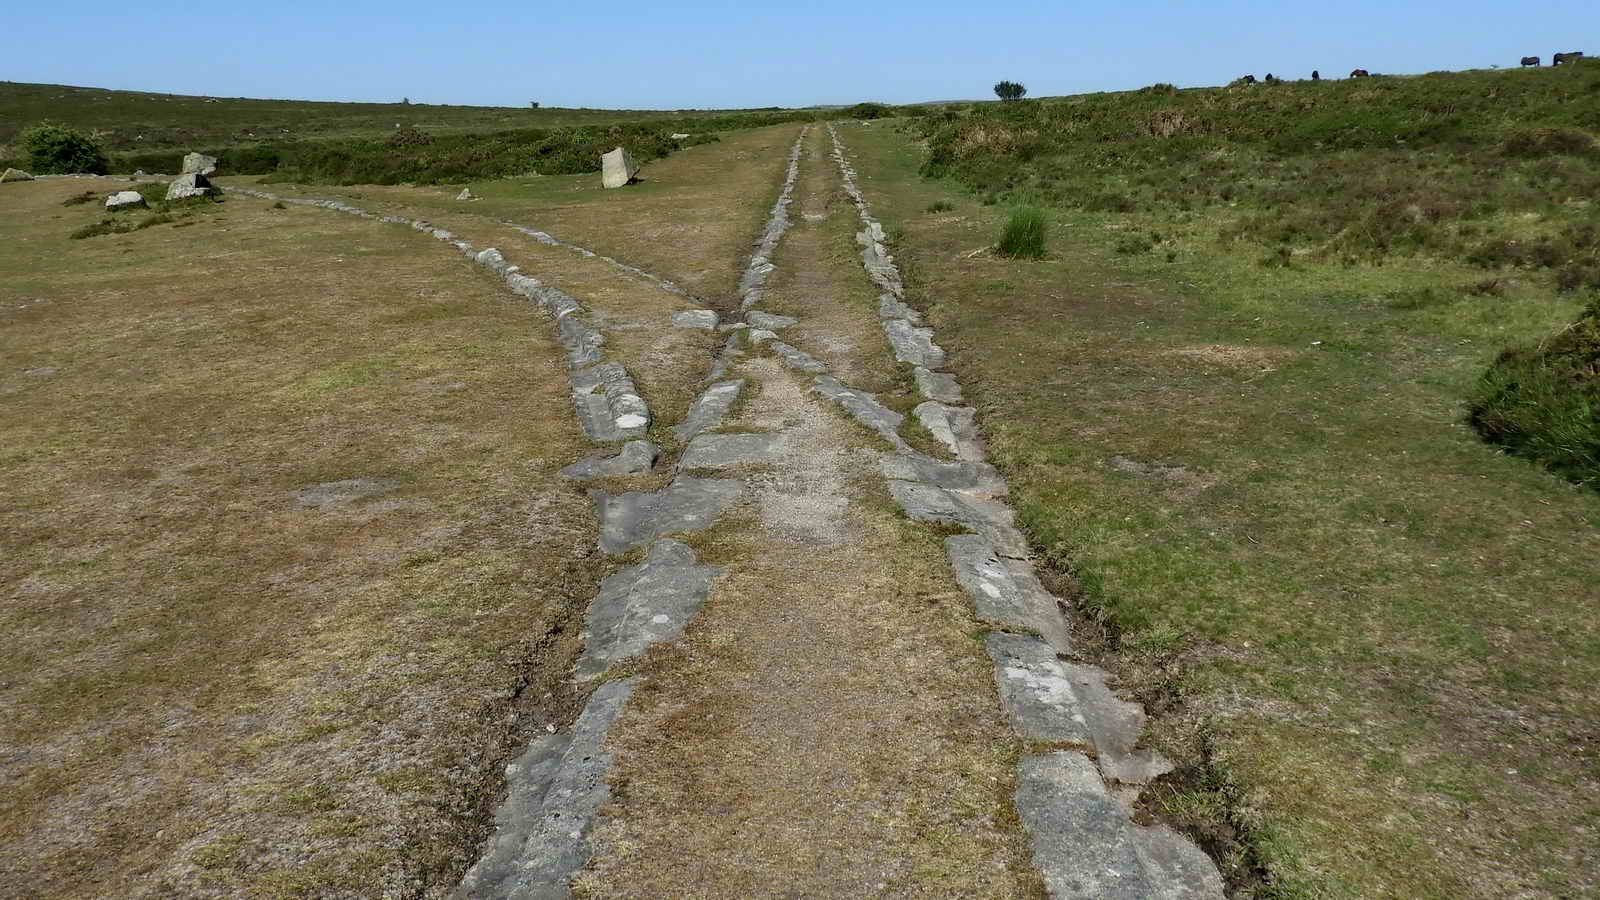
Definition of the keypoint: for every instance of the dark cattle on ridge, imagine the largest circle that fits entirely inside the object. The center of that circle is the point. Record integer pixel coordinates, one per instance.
(1560, 58)
(1315, 75)
(1532, 60)
(1248, 79)
(1359, 73)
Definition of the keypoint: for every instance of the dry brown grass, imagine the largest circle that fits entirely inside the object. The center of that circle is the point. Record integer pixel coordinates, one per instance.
(211, 688)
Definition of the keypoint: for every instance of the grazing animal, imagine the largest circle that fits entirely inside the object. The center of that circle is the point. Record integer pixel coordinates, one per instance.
(1360, 73)
(1532, 60)
(1315, 75)
(1560, 58)
(1248, 79)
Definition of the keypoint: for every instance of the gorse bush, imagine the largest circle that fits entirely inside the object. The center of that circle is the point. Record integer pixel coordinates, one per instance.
(1009, 90)
(1543, 403)
(1023, 234)
(58, 150)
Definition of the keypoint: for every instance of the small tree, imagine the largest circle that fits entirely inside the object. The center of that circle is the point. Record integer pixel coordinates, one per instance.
(1009, 90)
(533, 104)
(58, 150)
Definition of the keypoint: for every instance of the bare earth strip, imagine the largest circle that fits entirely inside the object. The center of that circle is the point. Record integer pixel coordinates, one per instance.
(280, 550)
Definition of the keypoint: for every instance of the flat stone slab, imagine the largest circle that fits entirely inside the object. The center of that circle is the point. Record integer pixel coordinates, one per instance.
(695, 318)
(709, 408)
(912, 344)
(1176, 868)
(635, 457)
(759, 319)
(797, 359)
(937, 386)
(125, 200)
(719, 451)
(731, 354)
(339, 493)
(583, 341)
(644, 605)
(555, 790)
(892, 307)
(866, 409)
(1005, 591)
(635, 518)
(1036, 691)
(609, 405)
(977, 478)
(1082, 839)
(953, 426)
(990, 518)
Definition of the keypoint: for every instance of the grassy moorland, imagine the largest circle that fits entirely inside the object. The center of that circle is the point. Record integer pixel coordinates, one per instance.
(280, 546)
(1233, 401)
(357, 143)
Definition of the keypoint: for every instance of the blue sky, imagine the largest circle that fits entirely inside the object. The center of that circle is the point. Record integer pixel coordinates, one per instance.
(725, 54)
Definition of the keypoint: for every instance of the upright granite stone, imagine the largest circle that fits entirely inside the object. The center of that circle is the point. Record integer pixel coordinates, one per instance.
(198, 164)
(617, 168)
(191, 185)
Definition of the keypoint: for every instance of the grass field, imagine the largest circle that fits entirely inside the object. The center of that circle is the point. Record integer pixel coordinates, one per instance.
(280, 551)
(1369, 634)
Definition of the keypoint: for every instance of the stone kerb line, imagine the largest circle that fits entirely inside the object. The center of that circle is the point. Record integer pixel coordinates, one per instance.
(1075, 808)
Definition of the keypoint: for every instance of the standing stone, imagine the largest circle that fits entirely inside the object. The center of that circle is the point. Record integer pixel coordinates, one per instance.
(198, 164)
(466, 194)
(192, 185)
(125, 200)
(617, 168)
(15, 175)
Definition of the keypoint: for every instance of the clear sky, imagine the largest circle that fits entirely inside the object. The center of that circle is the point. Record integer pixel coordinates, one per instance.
(729, 54)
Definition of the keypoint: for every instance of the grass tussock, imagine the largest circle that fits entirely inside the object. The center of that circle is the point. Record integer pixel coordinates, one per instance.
(1023, 235)
(1542, 402)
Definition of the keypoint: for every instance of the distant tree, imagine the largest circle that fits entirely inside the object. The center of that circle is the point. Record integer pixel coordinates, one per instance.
(405, 101)
(533, 104)
(58, 150)
(1009, 90)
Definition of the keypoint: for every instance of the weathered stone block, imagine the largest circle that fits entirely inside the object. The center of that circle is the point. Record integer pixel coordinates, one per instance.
(617, 168)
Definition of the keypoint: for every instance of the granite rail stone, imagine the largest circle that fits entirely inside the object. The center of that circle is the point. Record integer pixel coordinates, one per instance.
(644, 605)
(636, 518)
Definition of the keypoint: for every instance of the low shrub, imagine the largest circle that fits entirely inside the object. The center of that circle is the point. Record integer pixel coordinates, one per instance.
(1542, 403)
(58, 150)
(79, 199)
(939, 206)
(868, 111)
(1023, 234)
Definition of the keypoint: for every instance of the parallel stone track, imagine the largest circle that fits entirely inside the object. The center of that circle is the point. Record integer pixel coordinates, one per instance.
(1074, 798)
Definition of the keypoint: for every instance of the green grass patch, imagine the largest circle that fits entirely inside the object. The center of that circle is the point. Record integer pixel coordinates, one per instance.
(1023, 234)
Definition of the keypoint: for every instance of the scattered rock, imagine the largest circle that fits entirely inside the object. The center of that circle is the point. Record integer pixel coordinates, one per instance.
(41, 372)
(126, 200)
(190, 185)
(678, 136)
(466, 194)
(634, 458)
(339, 493)
(14, 175)
(695, 318)
(617, 168)
(644, 605)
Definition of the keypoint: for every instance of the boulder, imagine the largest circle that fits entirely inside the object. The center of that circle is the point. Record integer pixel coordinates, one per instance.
(678, 136)
(198, 164)
(617, 168)
(191, 185)
(125, 200)
(15, 175)
(466, 194)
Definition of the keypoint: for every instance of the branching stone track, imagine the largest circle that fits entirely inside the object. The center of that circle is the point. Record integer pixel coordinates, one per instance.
(789, 700)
